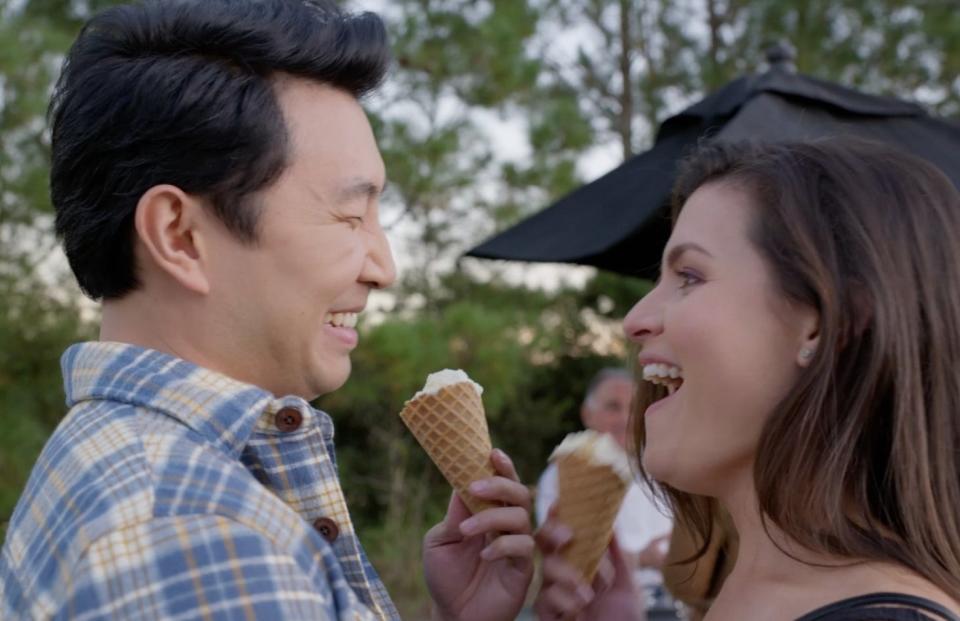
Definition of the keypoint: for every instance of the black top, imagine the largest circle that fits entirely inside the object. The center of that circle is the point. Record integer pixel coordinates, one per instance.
(882, 607)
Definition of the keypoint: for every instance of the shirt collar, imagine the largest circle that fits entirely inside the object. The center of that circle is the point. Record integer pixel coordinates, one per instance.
(223, 410)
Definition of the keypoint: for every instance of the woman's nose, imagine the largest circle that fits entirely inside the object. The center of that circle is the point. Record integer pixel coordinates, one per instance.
(645, 319)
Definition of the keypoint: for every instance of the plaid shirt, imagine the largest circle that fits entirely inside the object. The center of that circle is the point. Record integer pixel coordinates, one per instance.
(170, 491)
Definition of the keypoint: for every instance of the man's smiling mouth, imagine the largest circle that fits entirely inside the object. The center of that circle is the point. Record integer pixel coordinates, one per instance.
(341, 320)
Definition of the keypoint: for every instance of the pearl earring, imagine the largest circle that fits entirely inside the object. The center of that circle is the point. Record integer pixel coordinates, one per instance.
(806, 353)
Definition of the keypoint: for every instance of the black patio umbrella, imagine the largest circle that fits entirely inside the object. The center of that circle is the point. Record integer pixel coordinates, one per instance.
(620, 222)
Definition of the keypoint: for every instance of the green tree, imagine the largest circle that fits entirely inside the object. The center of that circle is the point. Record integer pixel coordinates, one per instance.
(39, 306)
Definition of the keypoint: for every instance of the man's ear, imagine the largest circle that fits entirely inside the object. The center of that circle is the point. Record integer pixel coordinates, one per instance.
(168, 222)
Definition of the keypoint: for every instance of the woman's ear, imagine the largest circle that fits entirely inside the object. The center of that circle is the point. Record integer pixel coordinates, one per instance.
(167, 223)
(810, 337)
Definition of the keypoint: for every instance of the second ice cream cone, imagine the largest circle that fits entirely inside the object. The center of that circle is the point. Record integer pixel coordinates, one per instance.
(590, 493)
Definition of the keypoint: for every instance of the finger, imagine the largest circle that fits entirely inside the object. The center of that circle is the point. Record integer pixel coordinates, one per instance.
(622, 575)
(552, 536)
(606, 574)
(566, 597)
(558, 572)
(497, 520)
(554, 510)
(503, 465)
(556, 604)
(448, 530)
(457, 511)
(500, 489)
(518, 547)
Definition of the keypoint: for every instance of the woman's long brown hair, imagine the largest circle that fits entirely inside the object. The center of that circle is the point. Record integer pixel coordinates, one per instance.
(861, 459)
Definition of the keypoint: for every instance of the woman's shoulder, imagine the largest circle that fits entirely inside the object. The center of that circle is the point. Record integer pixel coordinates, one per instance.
(882, 607)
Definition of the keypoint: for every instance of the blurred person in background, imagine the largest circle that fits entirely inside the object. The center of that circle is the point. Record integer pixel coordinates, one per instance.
(642, 529)
(216, 184)
(809, 300)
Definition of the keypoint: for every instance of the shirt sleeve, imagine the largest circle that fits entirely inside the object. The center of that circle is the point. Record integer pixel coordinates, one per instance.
(546, 492)
(640, 520)
(194, 567)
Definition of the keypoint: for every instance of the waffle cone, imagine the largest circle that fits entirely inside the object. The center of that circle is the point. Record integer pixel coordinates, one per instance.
(451, 426)
(589, 499)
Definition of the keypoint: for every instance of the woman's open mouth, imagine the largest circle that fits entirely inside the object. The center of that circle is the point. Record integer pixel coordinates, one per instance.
(666, 375)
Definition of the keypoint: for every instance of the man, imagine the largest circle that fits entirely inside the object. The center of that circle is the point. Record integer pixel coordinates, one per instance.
(216, 185)
(641, 529)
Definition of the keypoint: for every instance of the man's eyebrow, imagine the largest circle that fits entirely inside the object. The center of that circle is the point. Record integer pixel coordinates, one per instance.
(360, 188)
(674, 255)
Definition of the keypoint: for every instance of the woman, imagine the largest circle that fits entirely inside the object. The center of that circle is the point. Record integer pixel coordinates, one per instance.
(809, 299)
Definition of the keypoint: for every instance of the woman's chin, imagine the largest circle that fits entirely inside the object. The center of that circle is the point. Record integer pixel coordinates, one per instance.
(668, 470)
(657, 467)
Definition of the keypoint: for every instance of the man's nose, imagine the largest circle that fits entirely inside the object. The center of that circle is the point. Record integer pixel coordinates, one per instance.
(380, 270)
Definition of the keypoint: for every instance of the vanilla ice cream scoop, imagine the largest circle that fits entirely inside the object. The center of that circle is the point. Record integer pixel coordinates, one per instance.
(446, 377)
(597, 448)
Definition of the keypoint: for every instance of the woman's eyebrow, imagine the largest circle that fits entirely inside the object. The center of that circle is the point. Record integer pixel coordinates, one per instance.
(674, 255)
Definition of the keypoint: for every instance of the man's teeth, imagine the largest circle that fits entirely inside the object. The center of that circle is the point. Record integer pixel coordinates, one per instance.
(665, 374)
(341, 320)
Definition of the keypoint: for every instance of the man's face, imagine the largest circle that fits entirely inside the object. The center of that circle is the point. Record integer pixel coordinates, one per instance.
(608, 409)
(289, 301)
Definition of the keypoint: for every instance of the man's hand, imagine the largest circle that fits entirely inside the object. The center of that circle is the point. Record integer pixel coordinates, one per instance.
(564, 595)
(479, 568)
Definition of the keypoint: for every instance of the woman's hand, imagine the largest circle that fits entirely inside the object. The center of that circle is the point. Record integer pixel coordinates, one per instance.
(565, 595)
(479, 568)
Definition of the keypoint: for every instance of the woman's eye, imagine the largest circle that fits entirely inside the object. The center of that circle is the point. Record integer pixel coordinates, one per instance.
(688, 278)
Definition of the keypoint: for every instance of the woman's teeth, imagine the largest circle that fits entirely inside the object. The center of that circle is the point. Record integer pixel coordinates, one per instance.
(663, 374)
(341, 320)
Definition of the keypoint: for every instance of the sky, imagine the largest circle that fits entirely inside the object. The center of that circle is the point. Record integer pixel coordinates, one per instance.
(507, 135)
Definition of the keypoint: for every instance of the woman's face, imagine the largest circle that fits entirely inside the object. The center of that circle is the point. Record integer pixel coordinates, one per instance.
(715, 320)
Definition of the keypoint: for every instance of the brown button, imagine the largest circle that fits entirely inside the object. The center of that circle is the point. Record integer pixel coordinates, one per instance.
(327, 528)
(288, 419)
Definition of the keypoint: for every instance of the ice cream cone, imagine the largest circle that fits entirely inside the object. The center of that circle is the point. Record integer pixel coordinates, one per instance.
(590, 493)
(451, 426)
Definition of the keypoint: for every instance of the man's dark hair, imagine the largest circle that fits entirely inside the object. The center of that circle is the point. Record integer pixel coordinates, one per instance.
(182, 92)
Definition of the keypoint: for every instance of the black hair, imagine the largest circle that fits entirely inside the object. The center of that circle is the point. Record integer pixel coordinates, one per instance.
(182, 92)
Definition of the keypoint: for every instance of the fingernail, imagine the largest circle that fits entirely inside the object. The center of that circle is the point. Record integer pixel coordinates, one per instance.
(468, 526)
(501, 456)
(486, 553)
(479, 487)
(585, 593)
(563, 534)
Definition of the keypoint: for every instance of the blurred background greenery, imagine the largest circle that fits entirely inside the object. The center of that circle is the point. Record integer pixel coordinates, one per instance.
(494, 108)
